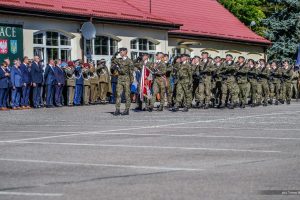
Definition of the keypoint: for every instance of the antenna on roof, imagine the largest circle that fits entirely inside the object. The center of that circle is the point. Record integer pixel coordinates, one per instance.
(88, 30)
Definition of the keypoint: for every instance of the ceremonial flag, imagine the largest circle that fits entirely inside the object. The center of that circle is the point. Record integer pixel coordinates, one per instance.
(146, 82)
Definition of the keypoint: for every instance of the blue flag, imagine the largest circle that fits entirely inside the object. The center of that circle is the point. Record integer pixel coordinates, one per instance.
(298, 57)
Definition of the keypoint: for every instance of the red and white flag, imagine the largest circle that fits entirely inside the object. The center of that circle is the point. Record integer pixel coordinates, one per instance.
(3, 47)
(146, 83)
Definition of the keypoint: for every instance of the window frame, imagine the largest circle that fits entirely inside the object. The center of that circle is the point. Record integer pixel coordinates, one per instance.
(137, 51)
(44, 45)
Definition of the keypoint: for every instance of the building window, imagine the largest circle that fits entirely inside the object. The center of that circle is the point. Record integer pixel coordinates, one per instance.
(101, 46)
(52, 45)
(140, 46)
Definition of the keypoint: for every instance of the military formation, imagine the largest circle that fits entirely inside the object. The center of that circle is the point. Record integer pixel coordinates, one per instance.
(204, 82)
(177, 83)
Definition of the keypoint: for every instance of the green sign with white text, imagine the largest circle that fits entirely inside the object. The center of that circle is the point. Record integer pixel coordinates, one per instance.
(11, 41)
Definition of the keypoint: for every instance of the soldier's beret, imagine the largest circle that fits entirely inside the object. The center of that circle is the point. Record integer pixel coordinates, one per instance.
(145, 54)
(70, 63)
(86, 65)
(165, 55)
(204, 52)
(158, 53)
(242, 57)
(102, 60)
(197, 57)
(123, 49)
(229, 55)
(217, 57)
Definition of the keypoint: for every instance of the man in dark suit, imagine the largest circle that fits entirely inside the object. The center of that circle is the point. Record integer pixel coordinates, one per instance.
(4, 75)
(60, 81)
(50, 82)
(17, 83)
(9, 89)
(26, 83)
(37, 81)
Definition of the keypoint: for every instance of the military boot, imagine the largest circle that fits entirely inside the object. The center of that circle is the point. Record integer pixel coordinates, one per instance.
(117, 112)
(288, 102)
(126, 112)
(206, 106)
(185, 109)
(271, 101)
(161, 108)
(231, 106)
(175, 109)
(222, 105)
(265, 103)
(276, 103)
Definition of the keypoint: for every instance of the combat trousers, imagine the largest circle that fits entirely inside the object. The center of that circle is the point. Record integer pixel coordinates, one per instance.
(230, 89)
(103, 89)
(158, 88)
(295, 89)
(123, 85)
(169, 91)
(243, 95)
(184, 94)
(86, 94)
(204, 90)
(70, 94)
(253, 90)
(275, 90)
(263, 91)
(94, 92)
(287, 91)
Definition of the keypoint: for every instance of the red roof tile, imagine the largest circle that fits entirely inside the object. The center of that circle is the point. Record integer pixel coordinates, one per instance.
(206, 18)
(107, 9)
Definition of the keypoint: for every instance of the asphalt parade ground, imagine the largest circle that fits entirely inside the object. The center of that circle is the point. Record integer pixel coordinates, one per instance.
(86, 153)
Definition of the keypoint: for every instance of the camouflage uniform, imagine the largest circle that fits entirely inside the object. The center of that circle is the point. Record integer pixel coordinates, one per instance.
(252, 78)
(104, 82)
(242, 80)
(275, 85)
(263, 85)
(159, 83)
(168, 82)
(216, 84)
(287, 75)
(184, 85)
(196, 68)
(229, 86)
(295, 84)
(124, 68)
(205, 82)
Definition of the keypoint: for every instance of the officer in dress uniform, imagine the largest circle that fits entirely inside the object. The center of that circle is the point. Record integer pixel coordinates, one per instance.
(104, 81)
(94, 78)
(70, 82)
(86, 83)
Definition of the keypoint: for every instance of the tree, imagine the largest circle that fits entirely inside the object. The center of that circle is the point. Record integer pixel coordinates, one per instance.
(248, 11)
(283, 29)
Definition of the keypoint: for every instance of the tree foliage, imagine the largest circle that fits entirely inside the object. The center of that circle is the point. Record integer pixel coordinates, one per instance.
(248, 11)
(283, 29)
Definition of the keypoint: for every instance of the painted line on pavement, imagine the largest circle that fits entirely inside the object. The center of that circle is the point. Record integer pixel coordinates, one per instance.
(30, 194)
(102, 165)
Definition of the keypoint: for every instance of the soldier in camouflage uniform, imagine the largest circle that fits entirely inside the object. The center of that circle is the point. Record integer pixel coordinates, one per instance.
(217, 81)
(242, 80)
(206, 71)
(123, 66)
(169, 91)
(196, 68)
(295, 82)
(262, 83)
(230, 90)
(274, 83)
(252, 78)
(159, 83)
(184, 84)
(287, 75)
